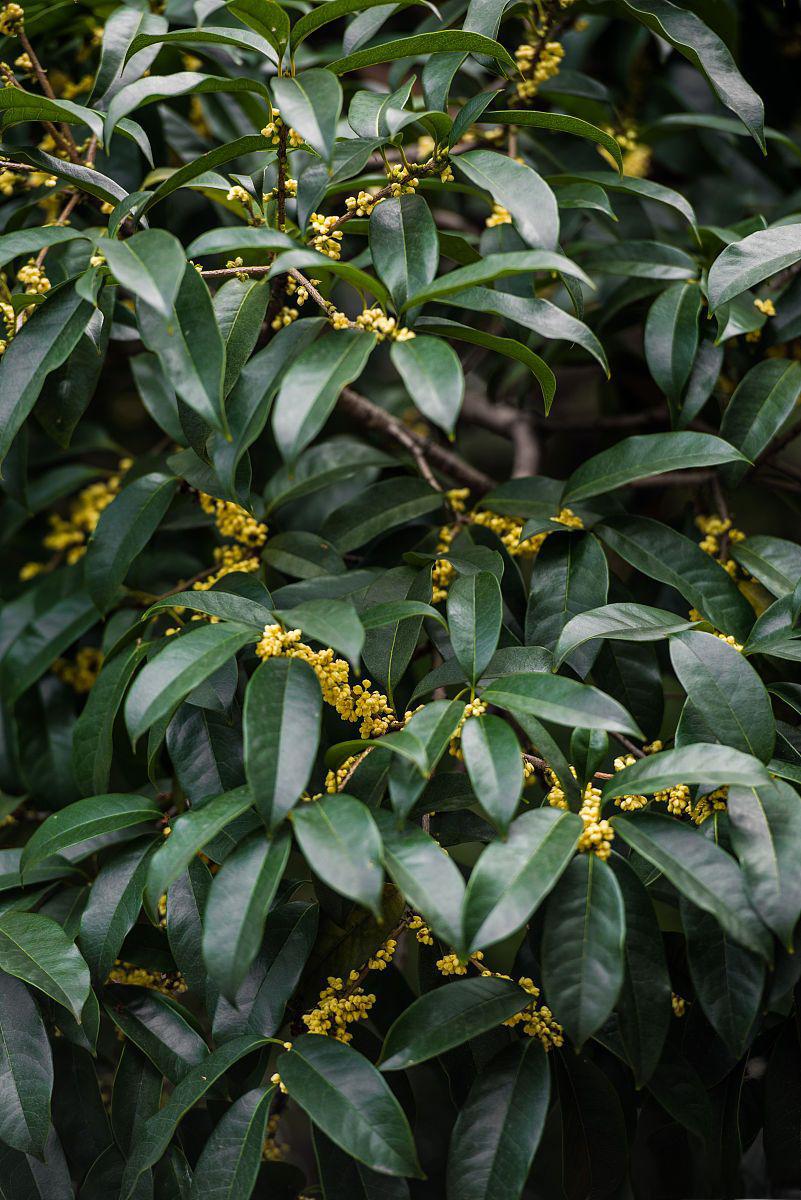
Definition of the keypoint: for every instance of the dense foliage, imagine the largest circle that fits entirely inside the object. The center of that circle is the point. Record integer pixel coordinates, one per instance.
(400, 726)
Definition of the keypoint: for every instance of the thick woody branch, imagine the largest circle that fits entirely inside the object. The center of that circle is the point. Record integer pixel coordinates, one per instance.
(509, 422)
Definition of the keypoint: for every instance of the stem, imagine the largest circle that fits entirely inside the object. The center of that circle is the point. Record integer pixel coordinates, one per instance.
(65, 134)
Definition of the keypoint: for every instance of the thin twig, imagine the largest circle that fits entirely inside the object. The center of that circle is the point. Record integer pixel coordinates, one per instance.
(630, 746)
(64, 133)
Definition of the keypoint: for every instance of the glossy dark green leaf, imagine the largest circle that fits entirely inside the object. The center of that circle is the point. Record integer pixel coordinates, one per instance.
(513, 877)
(312, 385)
(311, 102)
(493, 267)
(564, 701)
(331, 622)
(439, 1020)
(36, 949)
(518, 189)
(699, 870)
(494, 763)
(708, 764)
(775, 562)
(622, 622)
(475, 610)
(342, 1093)
(228, 1167)
(160, 1028)
(190, 833)
(404, 246)
(426, 875)
(345, 1178)
(442, 41)
(432, 375)
(671, 338)
(762, 402)
(664, 554)
(765, 827)
(500, 1125)
(341, 844)
(182, 665)
(642, 456)
(377, 509)
(720, 682)
(746, 263)
(158, 1130)
(114, 903)
(93, 736)
(150, 265)
(427, 735)
(84, 820)
(572, 575)
(508, 347)
(644, 1007)
(282, 729)
(26, 1070)
(136, 1095)
(237, 906)
(582, 947)
(239, 307)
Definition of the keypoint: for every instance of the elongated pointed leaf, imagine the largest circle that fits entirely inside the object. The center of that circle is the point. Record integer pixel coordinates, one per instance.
(671, 337)
(746, 263)
(520, 190)
(150, 265)
(645, 455)
(34, 948)
(230, 1162)
(341, 844)
(475, 610)
(343, 1094)
(311, 102)
(762, 402)
(26, 1070)
(432, 375)
(442, 41)
(513, 877)
(427, 876)
(622, 622)
(494, 763)
(114, 903)
(564, 701)
(84, 820)
(404, 246)
(765, 828)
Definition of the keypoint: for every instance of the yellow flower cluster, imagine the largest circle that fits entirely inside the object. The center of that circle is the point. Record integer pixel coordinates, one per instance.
(72, 532)
(353, 702)
(628, 803)
(228, 559)
(383, 956)
(401, 181)
(234, 522)
(272, 131)
(636, 155)
(82, 673)
(537, 64)
(171, 984)
(678, 1004)
(705, 806)
(327, 239)
(237, 192)
(421, 931)
(12, 17)
(376, 321)
(766, 307)
(713, 528)
(33, 279)
(499, 216)
(451, 964)
(334, 780)
(339, 1006)
(362, 205)
(473, 708)
(24, 62)
(597, 835)
(273, 1150)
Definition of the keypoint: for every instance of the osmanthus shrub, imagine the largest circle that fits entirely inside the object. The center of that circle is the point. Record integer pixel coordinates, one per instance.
(399, 759)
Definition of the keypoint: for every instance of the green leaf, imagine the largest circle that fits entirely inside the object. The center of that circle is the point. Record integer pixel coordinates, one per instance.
(643, 456)
(56, 627)
(427, 876)
(776, 563)
(18, 107)
(264, 17)
(538, 315)
(154, 88)
(392, 612)
(475, 611)
(762, 402)
(430, 731)
(342, 845)
(731, 700)
(182, 665)
(231, 1159)
(282, 730)
(23, 243)
(84, 820)
(238, 902)
(36, 949)
(26, 1070)
(440, 1020)
(210, 35)
(526, 118)
(311, 103)
(93, 734)
(494, 763)
(520, 190)
(380, 507)
(499, 1127)
(513, 877)
(229, 606)
(190, 833)
(728, 980)
(564, 701)
(312, 385)
(234, 239)
(699, 870)
(498, 345)
(158, 1130)
(239, 308)
(114, 904)
(743, 264)
(343, 1094)
(765, 827)
(161, 1029)
(439, 42)
(150, 265)
(189, 347)
(707, 764)
(623, 622)
(136, 1095)
(664, 554)
(432, 374)
(44, 342)
(582, 946)
(333, 623)
(403, 245)
(671, 337)
(642, 260)
(123, 531)
(493, 267)
(643, 189)
(572, 575)
(644, 1009)
(706, 51)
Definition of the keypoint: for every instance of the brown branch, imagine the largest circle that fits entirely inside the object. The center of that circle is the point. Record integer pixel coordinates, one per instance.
(509, 422)
(370, 416)
(63, 134)
(629, 745)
